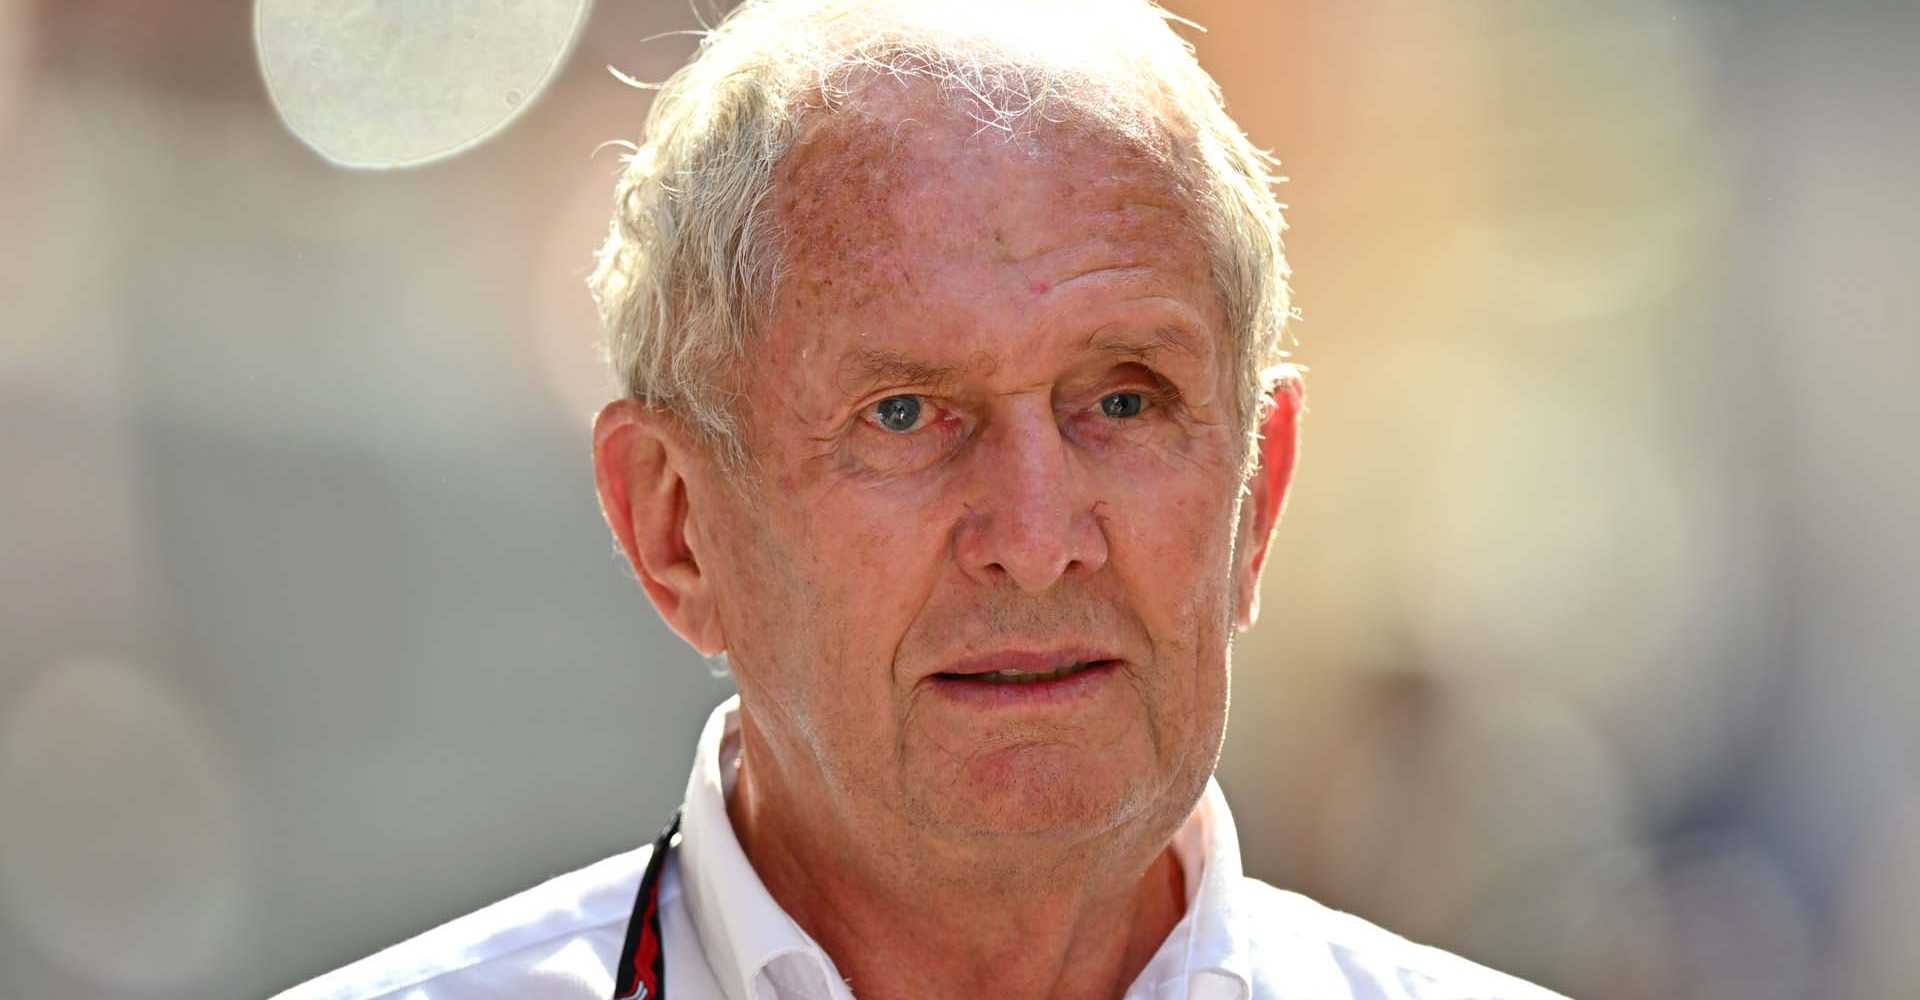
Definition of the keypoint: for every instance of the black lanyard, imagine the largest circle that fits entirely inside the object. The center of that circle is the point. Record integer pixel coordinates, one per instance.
(642, 973)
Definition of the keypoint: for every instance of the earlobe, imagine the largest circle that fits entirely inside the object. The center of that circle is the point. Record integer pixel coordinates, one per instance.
(639, 465)
(1265, 496)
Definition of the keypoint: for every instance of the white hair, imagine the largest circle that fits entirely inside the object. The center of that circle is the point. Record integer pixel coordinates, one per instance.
(693, 257)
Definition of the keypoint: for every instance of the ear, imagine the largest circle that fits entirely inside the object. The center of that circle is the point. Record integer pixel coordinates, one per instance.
(1265, 495)
(640, 462)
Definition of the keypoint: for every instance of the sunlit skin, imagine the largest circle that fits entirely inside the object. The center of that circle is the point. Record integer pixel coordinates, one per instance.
(992, 416)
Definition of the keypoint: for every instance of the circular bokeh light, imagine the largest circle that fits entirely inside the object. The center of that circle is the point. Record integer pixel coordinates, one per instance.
(379, 84)
(120, 833)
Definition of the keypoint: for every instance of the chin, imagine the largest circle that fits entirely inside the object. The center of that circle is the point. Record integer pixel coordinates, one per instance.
(1047, 791)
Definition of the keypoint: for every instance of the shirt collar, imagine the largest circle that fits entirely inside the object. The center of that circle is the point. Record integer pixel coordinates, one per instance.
(1206, 954)
(752, 944)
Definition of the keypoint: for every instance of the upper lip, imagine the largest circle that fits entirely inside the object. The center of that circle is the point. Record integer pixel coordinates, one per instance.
(1033, 661)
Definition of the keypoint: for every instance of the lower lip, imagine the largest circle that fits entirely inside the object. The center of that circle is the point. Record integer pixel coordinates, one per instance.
(1060, 691)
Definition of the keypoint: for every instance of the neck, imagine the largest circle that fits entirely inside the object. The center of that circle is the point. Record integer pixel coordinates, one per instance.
(1073, 923)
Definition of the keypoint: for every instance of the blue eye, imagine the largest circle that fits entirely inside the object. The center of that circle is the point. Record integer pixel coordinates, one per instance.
(897, 413)
(1120, 405)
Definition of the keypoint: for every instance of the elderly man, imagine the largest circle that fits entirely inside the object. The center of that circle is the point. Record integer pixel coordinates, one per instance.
(957, 420)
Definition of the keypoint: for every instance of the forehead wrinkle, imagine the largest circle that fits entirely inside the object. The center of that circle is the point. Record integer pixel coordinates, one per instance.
(1101, 243)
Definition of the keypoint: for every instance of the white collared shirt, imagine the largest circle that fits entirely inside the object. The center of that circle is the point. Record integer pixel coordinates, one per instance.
(726, 938)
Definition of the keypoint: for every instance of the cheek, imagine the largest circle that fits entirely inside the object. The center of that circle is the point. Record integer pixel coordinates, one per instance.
(764, 599)
(866, 556)
(1173, 515)
(1170, 534)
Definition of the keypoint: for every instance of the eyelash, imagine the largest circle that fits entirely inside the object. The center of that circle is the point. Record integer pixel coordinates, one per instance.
(930, 414)
(1151, 398)
(941, 431)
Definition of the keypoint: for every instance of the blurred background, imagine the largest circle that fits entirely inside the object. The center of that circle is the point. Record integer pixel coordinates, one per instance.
(1589, 638)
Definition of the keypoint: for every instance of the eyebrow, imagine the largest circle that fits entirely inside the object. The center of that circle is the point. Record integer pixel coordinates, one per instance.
(870, 368)
(1172, 338)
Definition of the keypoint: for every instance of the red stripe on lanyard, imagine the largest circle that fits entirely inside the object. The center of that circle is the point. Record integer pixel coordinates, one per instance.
(643, 965)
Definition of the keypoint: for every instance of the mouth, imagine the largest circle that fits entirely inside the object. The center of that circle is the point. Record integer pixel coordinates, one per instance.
(1020, 676)
(1029, 681)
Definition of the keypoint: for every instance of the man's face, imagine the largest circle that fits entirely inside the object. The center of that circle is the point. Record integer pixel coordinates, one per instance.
(992, 417)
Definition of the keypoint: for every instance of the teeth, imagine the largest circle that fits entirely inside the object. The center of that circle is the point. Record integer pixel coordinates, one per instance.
(1027, 677)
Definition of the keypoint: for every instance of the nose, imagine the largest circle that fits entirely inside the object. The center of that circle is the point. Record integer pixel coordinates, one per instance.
(1030, 514)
